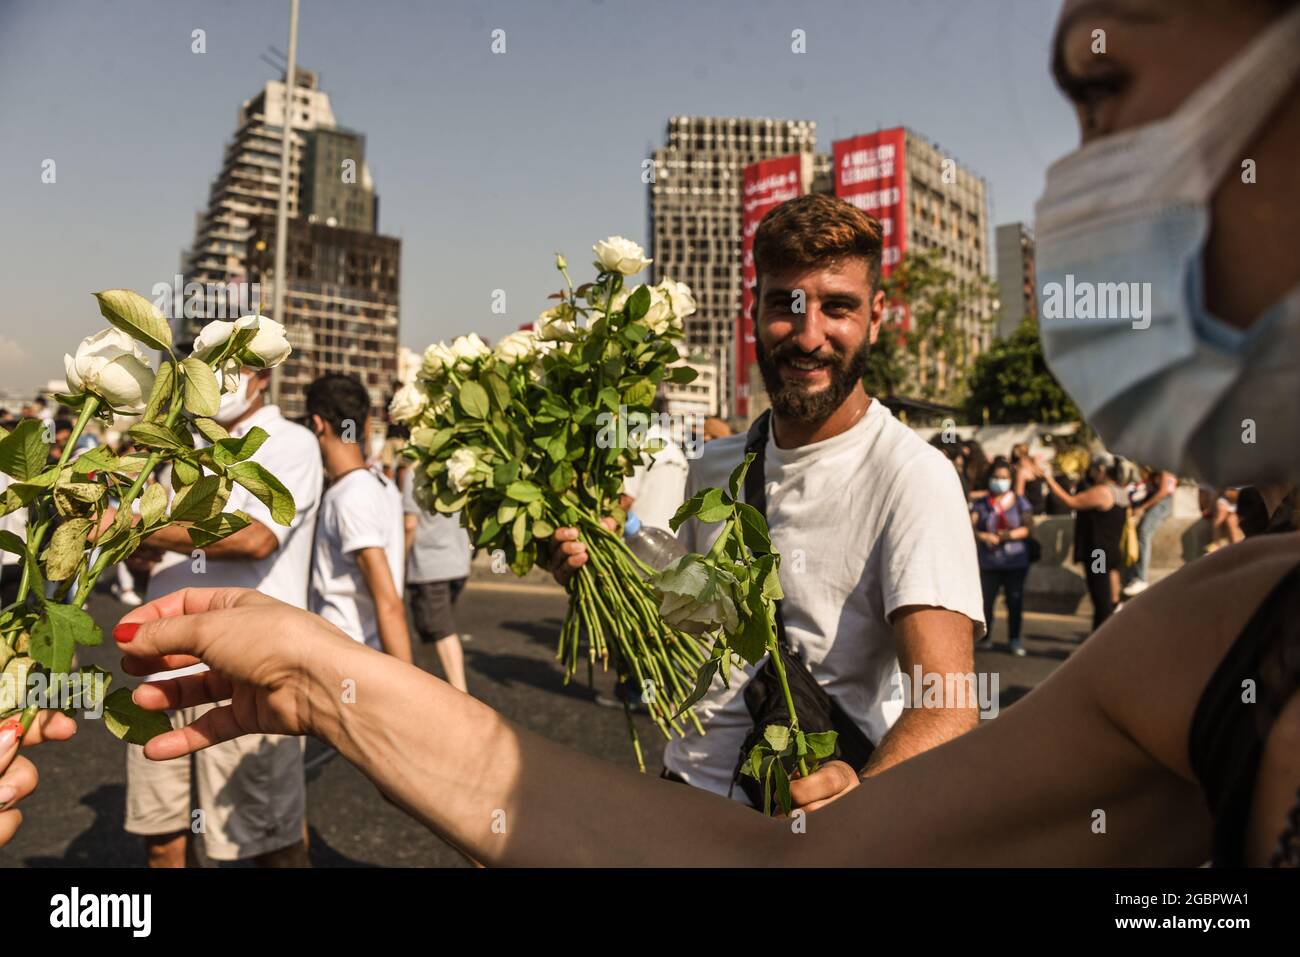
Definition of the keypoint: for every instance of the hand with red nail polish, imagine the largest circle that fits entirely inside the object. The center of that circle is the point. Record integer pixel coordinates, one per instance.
(267, 660)
(17, 774)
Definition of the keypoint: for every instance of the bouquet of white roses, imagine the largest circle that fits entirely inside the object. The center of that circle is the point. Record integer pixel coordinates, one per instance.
(74, 531)
(540, 433)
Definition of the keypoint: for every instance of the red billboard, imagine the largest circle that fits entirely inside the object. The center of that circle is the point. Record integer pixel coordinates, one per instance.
(869, 174)
(767, 183)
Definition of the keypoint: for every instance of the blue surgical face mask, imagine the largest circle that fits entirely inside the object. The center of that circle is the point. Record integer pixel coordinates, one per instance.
(999, 486)
(1121, 229)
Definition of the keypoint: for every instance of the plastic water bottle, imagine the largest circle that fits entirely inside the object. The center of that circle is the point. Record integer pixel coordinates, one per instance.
(654, 546)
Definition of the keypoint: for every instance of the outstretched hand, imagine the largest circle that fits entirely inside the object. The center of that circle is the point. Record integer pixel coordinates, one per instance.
(263, 654)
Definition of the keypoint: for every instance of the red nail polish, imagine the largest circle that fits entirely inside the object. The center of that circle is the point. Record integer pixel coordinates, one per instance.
(125, 631)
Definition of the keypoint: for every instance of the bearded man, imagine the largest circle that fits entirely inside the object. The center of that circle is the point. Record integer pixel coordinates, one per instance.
(878, 565)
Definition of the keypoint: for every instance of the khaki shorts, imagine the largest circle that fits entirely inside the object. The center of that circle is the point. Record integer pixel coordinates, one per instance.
(251, 793)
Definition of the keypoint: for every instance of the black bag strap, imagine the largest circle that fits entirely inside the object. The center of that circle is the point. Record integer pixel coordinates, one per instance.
(855, 746)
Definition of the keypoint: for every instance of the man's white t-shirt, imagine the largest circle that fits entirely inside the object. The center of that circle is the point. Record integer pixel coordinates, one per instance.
(363, 509)
(292, 454)
(866, 522)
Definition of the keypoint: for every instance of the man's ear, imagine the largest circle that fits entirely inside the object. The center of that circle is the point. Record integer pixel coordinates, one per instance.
(319, 427)
(877, 314)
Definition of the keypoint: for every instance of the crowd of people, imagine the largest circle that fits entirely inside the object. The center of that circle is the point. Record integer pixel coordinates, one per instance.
(891, 552)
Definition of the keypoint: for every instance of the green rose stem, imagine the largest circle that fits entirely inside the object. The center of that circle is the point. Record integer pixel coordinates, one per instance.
(125, 504)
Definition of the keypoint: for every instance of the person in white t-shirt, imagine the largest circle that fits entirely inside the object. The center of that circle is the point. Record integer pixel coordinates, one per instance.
(879, 567)
(656, 491)
(360, 555)
(251, 793)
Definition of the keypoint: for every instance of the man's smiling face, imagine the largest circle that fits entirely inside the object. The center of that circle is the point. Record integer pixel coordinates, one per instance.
(815, 325)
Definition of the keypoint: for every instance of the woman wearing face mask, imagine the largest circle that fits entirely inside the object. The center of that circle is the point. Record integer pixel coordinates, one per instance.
(1145, 721)
(1001, 520)
(1100, 512)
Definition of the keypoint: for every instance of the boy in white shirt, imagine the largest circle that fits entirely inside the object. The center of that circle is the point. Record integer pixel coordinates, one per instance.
(360, 556)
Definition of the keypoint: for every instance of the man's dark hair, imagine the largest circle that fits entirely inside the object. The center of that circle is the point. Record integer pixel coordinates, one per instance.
(338, 399)
(816, 229)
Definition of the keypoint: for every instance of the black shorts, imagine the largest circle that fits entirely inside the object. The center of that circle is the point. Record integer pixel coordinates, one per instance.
(431, 607)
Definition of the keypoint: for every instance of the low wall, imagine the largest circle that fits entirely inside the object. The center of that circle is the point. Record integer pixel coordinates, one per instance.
(1056, 583)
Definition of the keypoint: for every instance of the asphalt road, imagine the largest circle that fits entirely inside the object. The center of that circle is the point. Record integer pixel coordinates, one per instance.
(75, 817)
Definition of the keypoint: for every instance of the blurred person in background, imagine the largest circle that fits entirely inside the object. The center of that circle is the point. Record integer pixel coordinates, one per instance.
(437, 566)
(359, 559)
(1002, 520)
(1225, 527)
(715, 428)
(1150, 512)
(656, 490)
(1025, 482)
(251, 791)
(1100, 513)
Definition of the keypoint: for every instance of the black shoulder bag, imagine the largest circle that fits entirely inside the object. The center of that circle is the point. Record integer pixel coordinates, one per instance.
(817, 710)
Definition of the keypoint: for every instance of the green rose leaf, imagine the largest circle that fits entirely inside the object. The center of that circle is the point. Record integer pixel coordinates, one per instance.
(704, 677)
(736, 481)
(23, 451)
(543, 529)
(75, 499)
(201, 500)
(164, 382)
(638, 304)
(94, 683)
(708, 505)
(129, 722)
(152, 504)
(212, 530)
(213, 431)
(67, 545)
(136, 316)
(821, 744)
(57, 632)
(777, 737)
(13, 684)
(782, 781)
(98, 459)
(266, 488)
(473, 400)
(640, 394)
(184, 473)
(750, 640)
(499, 390)
(202, 394)
(156, 436)
(523, 492)
(682, 375)
(753, 528)
(519, 531)
(228, 451)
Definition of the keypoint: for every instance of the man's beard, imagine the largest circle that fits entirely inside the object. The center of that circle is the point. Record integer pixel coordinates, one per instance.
(791, 401)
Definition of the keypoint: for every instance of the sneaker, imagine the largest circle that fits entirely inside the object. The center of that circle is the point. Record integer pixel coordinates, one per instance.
(984, 644)
(1018, 649)
(1136, 587)
(130, 599)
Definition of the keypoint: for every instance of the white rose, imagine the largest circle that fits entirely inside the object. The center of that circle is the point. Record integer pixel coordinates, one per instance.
(407, 404)
(468, 348)
(680, 298)
(659, 315)
(556, 324)
(597, 300)
(437, 360)
(269, 347)
(266, 350)
(110, 365)
(699, 617)
(617, 254)
(516, 347)
(437, 408)
(462, 470)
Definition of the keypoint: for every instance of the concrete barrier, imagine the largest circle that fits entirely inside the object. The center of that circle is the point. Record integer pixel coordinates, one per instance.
(1056, 582)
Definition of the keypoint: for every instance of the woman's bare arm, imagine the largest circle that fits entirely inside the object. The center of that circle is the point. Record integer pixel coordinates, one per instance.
(1089, 768)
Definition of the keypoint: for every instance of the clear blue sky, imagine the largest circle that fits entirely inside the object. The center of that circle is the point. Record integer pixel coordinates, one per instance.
(485, 164)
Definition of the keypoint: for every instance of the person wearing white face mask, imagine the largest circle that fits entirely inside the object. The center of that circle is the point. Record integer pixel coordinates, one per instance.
(1146, 720)
(252, 791)
(1001, 520)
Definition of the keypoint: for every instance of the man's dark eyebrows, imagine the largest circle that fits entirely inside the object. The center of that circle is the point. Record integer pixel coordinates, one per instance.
(1110, 9)
(777, 294)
